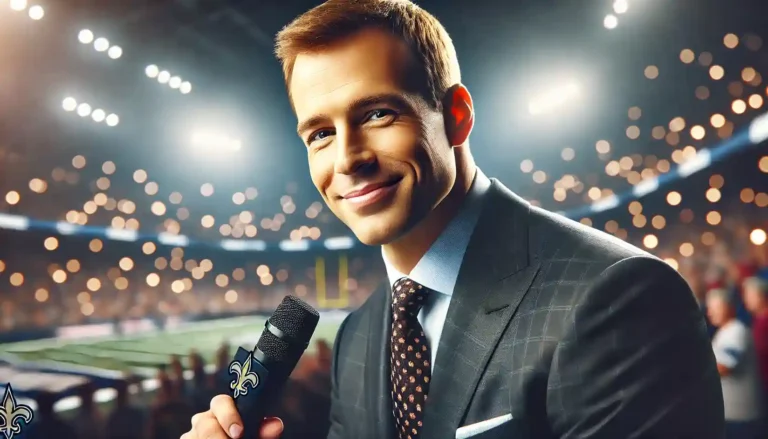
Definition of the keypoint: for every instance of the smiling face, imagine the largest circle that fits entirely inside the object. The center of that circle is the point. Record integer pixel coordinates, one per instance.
(378, 153)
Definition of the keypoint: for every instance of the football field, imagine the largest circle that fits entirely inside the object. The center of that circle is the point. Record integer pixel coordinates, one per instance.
(145, 352)
(140, 354)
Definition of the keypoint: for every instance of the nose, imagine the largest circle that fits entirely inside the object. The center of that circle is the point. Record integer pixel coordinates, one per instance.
(352, 155)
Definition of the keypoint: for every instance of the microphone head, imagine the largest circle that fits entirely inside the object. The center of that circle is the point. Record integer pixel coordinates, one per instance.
(297, 320)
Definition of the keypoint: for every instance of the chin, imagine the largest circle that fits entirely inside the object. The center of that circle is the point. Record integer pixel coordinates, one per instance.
(375, 236)
(377, 230)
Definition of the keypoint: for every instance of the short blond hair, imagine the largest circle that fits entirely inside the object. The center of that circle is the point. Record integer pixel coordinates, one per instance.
(437, 66)
(758, 284)
(721, 294)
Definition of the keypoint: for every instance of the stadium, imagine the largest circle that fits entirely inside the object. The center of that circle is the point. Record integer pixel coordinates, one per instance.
(155, 200)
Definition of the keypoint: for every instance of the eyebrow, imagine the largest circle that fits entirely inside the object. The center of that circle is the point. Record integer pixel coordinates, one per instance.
(367, 101)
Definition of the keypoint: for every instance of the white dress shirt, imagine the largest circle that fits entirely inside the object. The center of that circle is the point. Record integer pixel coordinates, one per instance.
(438, 269)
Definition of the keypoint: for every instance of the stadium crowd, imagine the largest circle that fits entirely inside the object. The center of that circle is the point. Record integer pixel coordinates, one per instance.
(76, 287)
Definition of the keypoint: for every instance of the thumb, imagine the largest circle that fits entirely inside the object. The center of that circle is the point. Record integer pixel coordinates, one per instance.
(271, 428)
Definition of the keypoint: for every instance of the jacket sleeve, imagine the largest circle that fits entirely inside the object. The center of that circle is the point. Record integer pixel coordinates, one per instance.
(337, 417)
(636, 360)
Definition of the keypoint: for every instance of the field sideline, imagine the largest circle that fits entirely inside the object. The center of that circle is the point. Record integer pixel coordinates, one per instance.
(142, 354)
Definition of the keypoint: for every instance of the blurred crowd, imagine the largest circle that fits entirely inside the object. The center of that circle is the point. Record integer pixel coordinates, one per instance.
(76, 286)
(166, 412)
(731, 288)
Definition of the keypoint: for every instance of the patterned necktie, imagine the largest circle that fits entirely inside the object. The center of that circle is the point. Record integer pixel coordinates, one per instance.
(410, 370)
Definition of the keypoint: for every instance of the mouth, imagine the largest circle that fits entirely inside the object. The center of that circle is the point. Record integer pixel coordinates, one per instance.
(370, 193)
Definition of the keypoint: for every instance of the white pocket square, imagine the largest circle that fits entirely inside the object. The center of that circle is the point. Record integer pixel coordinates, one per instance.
(468, 431)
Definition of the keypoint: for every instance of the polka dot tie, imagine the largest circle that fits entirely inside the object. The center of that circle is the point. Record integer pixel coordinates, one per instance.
(410, 369)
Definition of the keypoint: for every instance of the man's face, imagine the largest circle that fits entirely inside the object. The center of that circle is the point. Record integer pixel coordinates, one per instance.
(718, 311)
(378, 154)
(753, 298)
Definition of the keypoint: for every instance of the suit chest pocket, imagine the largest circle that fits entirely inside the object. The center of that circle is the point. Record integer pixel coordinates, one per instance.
(502, 427)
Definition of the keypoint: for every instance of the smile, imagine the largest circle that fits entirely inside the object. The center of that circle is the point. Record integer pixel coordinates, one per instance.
(369, 196)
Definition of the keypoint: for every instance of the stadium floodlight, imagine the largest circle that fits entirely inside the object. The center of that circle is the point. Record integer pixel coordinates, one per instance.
(175, 82)
(115, 52)
(214, 142)
(69, 104)
(98, 115)
(553, 99)
(36, 12)
(620, 6)
(163, 77)
(85, 36)
(101, 44)
(83, 110)
(113, 120)
(610, 21)
(18, 5)
(152, 71)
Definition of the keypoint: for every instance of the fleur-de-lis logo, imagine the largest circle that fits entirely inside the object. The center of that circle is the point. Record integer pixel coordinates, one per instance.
(11, 415)
(244, 376)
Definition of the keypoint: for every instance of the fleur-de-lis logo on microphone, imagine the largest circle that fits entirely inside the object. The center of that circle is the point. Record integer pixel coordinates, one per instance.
(244, 376)
(11, 415)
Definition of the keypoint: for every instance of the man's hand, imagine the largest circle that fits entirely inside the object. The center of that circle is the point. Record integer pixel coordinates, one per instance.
(223, 422)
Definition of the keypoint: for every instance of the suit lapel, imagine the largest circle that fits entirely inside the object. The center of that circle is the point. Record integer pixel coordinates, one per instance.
(379, 400)
(495, 275)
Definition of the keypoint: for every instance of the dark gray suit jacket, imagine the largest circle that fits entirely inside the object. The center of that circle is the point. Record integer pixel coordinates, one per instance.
(574, 333)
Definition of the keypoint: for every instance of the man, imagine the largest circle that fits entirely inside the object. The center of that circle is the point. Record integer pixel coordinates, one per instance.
(756, 301)
(512, 321)
(736, 362)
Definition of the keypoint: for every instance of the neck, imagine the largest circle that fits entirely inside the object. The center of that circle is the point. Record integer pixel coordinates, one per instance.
(405, 252)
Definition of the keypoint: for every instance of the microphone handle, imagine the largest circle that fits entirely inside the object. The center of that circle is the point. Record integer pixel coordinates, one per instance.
(254, 388)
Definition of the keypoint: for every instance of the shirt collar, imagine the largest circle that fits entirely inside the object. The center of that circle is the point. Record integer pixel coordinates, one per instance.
(439, 268)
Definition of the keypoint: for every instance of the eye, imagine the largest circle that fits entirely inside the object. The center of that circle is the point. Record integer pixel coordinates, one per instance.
(380, 115)
(319, 135)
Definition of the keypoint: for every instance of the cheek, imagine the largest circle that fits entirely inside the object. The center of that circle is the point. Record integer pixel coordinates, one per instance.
(321, 172)
(403, 146)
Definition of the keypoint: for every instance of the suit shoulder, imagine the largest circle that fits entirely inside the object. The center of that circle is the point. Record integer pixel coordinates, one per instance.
(556, 237)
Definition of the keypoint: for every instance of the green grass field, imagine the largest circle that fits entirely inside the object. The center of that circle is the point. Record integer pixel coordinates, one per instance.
(144, 353)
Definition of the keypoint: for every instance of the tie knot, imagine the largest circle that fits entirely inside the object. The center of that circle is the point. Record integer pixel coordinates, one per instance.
(408, 297)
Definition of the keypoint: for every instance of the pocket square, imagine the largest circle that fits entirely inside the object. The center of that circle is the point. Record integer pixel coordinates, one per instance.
(471, 430)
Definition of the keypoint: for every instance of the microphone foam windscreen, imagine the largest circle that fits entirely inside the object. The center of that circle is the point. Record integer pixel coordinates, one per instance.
(297, 320)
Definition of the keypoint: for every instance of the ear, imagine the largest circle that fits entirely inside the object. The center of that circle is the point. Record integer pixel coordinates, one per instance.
(459, 114)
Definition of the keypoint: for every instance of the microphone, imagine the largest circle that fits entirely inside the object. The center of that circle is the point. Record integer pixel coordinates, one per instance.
(260, 374)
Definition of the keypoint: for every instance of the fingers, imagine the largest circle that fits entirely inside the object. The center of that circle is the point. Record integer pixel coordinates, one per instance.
(223, 422)
(205, 426)
(271, 428)
(225, 413)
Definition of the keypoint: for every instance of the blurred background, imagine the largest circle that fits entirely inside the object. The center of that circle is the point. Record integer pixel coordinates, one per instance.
(155, 204)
